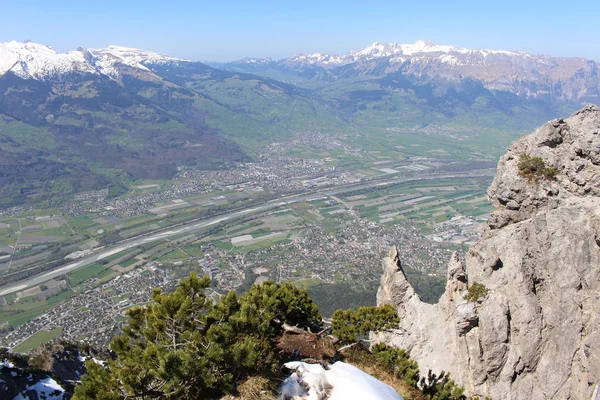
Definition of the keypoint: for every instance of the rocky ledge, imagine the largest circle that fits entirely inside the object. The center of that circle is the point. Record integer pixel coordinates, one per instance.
(529, 326)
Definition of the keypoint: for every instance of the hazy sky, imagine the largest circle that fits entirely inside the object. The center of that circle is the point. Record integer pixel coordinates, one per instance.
(221, 30)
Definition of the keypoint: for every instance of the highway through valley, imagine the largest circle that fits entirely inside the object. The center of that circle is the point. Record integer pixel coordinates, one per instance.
(213, 222)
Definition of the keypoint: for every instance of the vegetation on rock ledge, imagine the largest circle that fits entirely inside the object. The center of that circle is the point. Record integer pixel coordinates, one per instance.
(476, 291)
(535, 167)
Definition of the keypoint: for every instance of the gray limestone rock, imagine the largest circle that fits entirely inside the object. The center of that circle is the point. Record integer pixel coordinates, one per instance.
(536, 335)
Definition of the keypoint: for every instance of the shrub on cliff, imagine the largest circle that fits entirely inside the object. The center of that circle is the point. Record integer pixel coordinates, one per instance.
(441, 387)
(352, 325)
(476, 291)
(535, 167)
(183, 346)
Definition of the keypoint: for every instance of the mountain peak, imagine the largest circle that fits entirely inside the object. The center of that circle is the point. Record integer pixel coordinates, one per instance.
(379, 50)
(107, 58)
(30, 60)
(131, 54)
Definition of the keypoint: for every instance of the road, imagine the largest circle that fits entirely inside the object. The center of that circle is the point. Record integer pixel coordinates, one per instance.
(150, 237)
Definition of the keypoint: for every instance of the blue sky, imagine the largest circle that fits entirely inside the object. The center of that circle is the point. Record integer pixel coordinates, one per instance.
(227, 30)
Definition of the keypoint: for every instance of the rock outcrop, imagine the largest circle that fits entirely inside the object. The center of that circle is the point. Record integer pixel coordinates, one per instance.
(535, 332)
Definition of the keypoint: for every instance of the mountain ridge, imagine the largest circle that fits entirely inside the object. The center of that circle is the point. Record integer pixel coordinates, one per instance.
(563, 79)
(571, 79)
(379, 50)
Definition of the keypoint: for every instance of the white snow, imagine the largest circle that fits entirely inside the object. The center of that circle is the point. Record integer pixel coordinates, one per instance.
(422, 46)
(7, 364)
(448, 59)
(32, 60)
(318, 58)
(250, 60)
(401, 52)
(47, 389)
(99, 362)
(340, 382)
(133, 56)
(108, 57)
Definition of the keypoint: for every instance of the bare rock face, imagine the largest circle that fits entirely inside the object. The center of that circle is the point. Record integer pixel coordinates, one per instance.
(536, 333)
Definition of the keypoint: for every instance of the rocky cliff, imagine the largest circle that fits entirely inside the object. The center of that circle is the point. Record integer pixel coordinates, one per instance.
(533, 329)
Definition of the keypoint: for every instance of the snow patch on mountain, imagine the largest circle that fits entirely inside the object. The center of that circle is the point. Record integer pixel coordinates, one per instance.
(317, 58)
(133, 56)
(250, 60)
(107, 59)
(377, 50)
(398, 53)
(32, 60)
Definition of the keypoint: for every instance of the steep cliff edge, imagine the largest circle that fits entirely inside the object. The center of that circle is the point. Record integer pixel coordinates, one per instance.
(535, 334)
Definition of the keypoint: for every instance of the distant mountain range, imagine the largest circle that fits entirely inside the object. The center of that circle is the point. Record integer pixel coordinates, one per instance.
(92, 118)
(531, 76)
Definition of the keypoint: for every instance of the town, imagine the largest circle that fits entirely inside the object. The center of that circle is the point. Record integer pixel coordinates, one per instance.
(336, 237)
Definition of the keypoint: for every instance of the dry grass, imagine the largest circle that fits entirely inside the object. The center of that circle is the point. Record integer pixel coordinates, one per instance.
(306, 346)
(255, 388)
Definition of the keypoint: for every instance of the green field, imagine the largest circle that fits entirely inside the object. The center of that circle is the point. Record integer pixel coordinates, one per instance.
(23, 312)
(36, 340)
(78, 276)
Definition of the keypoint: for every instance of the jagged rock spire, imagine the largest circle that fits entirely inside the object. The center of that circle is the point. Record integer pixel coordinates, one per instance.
(457, 276)
(394, 288)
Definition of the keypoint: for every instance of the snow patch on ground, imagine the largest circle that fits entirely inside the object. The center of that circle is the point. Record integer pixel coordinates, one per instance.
(47, 389)
(340, 382)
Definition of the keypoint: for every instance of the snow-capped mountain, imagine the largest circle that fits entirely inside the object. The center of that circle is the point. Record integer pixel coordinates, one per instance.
(31, 60)
(528, 75)
(400, 52)
(170, 112)
(107, 60)
(531, 76)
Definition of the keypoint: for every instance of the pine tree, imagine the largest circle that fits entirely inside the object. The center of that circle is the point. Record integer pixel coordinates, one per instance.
(184, 346)
(350, 326)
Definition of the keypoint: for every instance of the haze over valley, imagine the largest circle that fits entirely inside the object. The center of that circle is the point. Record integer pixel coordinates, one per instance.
(124, 169)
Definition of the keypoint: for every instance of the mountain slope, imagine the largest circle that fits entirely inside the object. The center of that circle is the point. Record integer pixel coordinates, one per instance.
(92, 124)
